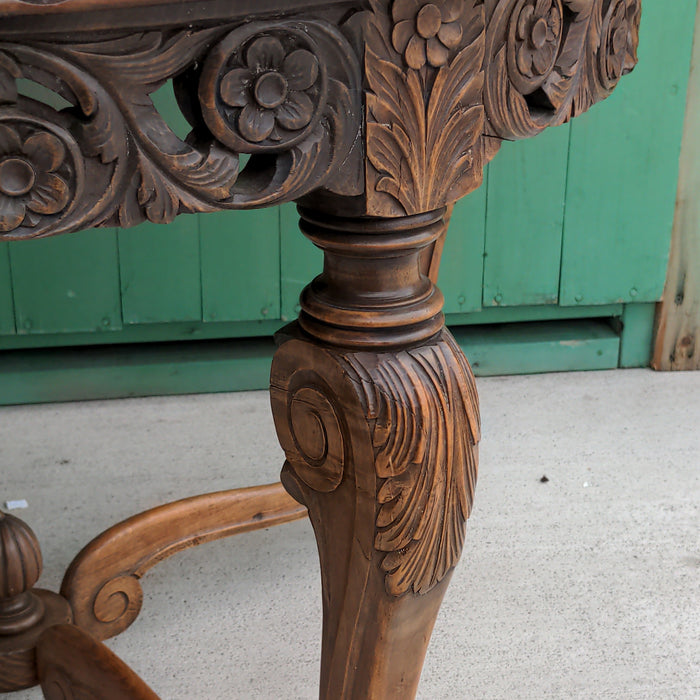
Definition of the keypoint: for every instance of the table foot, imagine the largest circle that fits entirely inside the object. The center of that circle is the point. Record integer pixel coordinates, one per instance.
(102, 583)
(25, 611)
(72, 665)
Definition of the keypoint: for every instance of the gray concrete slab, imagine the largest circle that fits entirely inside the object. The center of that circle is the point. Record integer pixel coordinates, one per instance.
(587, 586)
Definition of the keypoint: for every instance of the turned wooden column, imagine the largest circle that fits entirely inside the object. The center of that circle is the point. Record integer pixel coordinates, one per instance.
(25, 611)
(377, 411)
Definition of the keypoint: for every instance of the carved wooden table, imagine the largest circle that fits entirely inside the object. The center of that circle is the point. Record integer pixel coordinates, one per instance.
(375, 116)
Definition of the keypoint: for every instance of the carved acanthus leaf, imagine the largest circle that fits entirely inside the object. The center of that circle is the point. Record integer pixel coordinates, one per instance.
(426, 433)
(424, 123)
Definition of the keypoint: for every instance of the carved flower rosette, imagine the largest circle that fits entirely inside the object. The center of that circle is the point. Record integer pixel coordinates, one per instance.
(549, 60)
(535, 36)
(284, 92)
(35, 175)
(267, 91)
(426, 32)
(425, 117)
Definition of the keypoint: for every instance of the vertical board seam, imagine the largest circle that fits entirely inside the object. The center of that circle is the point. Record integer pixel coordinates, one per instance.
(564, 211)
(12, 286)
(117, 240)
(201, 272)
(484, 254)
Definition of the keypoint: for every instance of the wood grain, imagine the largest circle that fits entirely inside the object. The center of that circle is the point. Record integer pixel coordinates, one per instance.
(102, 583)
(677, 345)
(74, 666)
(376, 116)
(380, 437)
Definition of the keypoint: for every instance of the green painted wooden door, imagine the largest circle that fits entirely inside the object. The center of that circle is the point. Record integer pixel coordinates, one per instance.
(573, 223)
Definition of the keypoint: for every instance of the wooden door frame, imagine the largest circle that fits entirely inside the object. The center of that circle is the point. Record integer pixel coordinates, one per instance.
(677, 345)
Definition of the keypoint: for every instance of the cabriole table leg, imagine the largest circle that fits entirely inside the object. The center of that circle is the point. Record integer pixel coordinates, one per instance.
(377, 411)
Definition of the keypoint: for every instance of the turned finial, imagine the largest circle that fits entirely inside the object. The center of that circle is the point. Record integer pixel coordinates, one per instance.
(20, 568)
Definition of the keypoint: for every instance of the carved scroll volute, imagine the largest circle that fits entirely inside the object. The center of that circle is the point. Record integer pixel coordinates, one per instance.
(550, 60)
(323, 430)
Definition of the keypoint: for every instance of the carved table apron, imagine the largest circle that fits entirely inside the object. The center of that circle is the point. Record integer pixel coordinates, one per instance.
(375, 116)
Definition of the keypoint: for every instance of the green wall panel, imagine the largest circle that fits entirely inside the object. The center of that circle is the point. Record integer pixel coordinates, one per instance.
(524, 222)
(573, 224)
(301, 261)
(240, 260)
(7, 313)
(67, 284)
(461, 270)
(530, 348)
(623, 170)
(160, 272)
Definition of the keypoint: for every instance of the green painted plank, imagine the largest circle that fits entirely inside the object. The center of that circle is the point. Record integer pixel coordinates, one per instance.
(215, 366)
(7, 311)
(637, 335)
(623, 171)
(160, 272)
(301, 261)
(67, 284)
(159, 265)
(522, 314)
(539, 347)
(240, 258)
(196, 330)
(525, 219)
(461, 269)
(147, 333)
(144, 370)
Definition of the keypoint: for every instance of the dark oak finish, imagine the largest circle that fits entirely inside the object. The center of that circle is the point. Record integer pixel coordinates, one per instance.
(375, 116)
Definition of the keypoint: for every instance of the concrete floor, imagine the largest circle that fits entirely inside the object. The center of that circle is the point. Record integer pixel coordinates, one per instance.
(583, 587)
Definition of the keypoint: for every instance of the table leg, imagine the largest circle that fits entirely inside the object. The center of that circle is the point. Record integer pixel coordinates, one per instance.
(377, 411)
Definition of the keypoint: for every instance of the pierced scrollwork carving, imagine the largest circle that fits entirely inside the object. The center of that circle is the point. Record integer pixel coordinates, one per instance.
(286, 92)
(447, 80)
(444, 82)
(549, 60)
